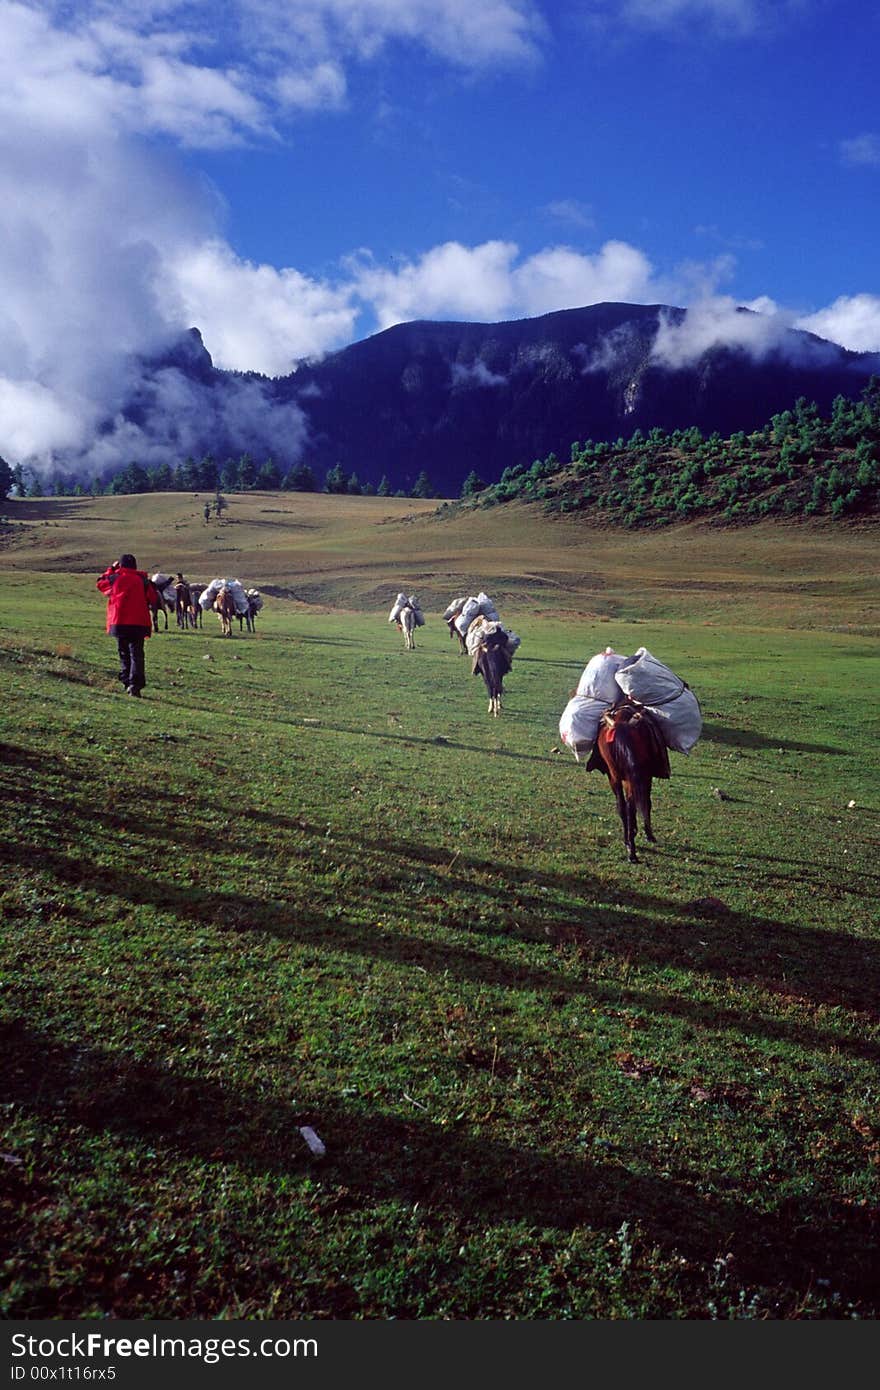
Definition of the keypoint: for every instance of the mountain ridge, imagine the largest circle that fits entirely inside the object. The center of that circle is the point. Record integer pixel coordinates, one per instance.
(449, 398)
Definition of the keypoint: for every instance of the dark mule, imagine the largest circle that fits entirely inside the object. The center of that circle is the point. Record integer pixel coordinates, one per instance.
(224, 607)
(248, 619)
(156, 606)
(492, 661)
(196, 591)
(631, 749)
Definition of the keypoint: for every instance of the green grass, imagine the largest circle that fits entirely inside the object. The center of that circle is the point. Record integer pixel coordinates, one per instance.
(308, 881)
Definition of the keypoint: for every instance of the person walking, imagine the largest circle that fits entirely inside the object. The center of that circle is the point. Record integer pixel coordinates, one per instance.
(129, 591)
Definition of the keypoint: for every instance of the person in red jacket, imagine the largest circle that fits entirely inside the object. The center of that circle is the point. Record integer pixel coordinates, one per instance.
(128, 590)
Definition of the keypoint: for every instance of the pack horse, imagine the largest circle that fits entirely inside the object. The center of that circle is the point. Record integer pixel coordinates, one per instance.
(407, 614)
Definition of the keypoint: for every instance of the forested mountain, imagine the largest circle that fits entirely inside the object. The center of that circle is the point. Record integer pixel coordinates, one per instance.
(421, 406)
(450, 398)
(801, 464)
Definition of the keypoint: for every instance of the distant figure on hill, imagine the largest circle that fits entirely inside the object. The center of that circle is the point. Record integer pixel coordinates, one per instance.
(207, 512)
(129, 593)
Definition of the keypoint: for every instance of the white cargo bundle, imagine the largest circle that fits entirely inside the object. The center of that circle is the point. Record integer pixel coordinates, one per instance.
(475, 634)
(165, 586)
(666, 695)
(399, 603)
(455, 607)
(579, 723)
(598, 681)
(487, 608)
(235, 587)
(482, 628)
(417, 610)
(477, 606)
(470, 610)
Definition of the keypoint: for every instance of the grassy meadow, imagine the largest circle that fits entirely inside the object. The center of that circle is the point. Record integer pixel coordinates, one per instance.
(306, 881)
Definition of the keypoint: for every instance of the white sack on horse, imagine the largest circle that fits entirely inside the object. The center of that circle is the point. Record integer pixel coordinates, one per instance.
(417, 610)
(475, 634)
(579, 723)
(470, 610)
(667, 696)
(240, 598)
(481, 628)
(487, 608)
(598, 679)
(235, 587)
(164, 584)
(455, 608)
(399, 604)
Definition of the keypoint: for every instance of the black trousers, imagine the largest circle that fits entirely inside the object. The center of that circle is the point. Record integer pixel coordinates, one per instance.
(130, 642)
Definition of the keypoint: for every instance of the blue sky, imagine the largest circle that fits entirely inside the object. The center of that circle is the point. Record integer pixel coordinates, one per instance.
(293, 176)
(690, 140)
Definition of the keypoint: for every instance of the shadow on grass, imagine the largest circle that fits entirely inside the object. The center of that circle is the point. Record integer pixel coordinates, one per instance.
(630, 931)
(378, 1157)
(438, 741)
(484, 901)
(744, 738)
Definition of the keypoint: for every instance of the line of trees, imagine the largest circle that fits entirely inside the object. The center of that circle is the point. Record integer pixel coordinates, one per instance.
(243, 474)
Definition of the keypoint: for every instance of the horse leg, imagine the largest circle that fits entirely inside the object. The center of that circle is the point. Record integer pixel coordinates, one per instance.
(629, 821)
(626, 811)
(643, 799)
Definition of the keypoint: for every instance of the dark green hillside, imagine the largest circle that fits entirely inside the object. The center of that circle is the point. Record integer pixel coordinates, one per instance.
(802, 464)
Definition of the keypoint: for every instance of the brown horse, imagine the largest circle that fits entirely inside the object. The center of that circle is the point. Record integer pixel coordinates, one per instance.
(224, 607)
(184, 604)
(631, 749)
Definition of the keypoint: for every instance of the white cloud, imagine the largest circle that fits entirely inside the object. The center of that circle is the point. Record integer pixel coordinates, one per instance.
(862, 150)
(449, 281)
(560, 278)
(852, 320)
(462, 32)
(763, 304)
(254, 317)
(762, 328)
(321, 88)
(714, 323)
(489, 282)
(735, 18)
(33, 419)
(475, 374)
(572, 211)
